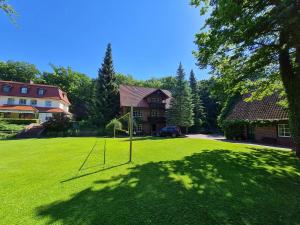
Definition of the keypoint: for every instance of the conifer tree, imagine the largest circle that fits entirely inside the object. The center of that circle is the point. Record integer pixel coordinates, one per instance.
(198, 109)
(107, 93)
(180, 112)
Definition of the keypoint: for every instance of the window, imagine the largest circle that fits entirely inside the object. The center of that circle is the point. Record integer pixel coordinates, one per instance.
(33, 102)
(41, 91)
(6, 88)
(155, 100)
(139, 128)
(48, 103)
(284, 130)
(10, 101)
(137, 113)
(155, 113)
(24, 90)
(22, 101)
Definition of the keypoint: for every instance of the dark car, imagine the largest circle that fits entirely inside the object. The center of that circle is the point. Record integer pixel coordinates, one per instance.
(172, 131)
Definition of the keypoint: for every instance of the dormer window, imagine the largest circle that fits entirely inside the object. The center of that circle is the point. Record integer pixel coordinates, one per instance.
(24, 90)
(41, 91)
(6, 88)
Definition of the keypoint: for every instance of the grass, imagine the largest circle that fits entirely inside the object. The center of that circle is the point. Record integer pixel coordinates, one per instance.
(171, 181)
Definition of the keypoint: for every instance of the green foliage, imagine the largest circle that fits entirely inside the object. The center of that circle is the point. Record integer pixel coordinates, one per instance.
(254, 46)
(107, 92)
(167, 82)
(181, 106)
(18, 71)
(59, 122)
(198, 109)
(9, 126)
(211, 103)
(8, 10)
(78, 86)
(114, 124)
(20, 121)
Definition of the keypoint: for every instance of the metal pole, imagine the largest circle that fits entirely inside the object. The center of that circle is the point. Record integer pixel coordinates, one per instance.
(130, 133)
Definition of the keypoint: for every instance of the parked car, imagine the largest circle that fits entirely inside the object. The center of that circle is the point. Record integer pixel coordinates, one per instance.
(172, 131)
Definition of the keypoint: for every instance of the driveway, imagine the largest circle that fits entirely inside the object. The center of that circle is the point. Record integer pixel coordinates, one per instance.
(207, 136)
(222, 138)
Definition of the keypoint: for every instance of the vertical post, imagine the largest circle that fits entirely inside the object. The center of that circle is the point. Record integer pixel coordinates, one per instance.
(130, 132)
(114, 130)
(104, 153)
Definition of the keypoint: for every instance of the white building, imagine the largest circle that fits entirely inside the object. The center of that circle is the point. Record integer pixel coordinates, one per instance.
(31, 101)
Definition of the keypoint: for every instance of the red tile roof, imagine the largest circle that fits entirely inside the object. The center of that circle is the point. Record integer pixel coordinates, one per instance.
(18, 108)
(265, 109)
(51, 92)
(50, 110)
(134, 96)
(31, 109)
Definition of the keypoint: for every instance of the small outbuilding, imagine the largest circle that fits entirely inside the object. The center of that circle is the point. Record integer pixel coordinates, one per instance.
(262, 121)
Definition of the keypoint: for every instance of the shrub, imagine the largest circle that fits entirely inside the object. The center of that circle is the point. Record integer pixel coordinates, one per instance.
(113, 124)
(20, 121)
(59, 123)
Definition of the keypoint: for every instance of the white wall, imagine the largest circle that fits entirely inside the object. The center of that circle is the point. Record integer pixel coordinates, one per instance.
(40, 102)
(43, 116)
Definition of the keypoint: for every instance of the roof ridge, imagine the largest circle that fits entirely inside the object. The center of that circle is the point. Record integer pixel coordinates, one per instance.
(30, 84)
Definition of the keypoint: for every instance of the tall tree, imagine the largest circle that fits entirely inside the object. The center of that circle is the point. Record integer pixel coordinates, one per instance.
(260, 40)
(18, 71)
(198, 108)
(79, 87)
(107, 93)
(180, 112)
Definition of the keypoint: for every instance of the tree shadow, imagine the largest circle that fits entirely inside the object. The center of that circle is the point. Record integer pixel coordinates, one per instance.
(212, 187)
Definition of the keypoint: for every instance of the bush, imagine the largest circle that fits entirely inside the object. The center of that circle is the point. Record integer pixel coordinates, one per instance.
(4, 126)
(58, 123)
(113, 124)
(20, 121)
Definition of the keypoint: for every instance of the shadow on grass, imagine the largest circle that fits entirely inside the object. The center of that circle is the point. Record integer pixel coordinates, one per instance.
(212, 187)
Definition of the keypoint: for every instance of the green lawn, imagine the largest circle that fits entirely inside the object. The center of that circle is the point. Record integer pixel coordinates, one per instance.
(171, 181)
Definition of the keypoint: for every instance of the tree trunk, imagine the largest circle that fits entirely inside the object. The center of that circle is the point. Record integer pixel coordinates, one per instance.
(291, 80)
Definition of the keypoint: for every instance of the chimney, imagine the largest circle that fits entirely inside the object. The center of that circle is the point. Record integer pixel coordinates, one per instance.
(31, 82)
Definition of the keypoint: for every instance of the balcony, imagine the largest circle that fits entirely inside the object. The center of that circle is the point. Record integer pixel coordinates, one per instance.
(160, 119)
(156, 105)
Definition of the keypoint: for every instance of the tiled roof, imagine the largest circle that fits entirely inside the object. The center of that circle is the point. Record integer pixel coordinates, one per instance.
(134, 96)
(30, 109)
(50, 110)
(51, 92)
(18, 108)
(265, 109)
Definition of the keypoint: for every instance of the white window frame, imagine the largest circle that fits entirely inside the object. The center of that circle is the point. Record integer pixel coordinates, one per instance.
(12, 101)
(34, 101)
(48, 103)
(41, 91)
(137, 113)
(24, 90)
(22, 99)
(283, 130)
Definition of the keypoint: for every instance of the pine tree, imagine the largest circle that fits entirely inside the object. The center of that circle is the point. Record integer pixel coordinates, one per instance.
(198, 110)
(180, 112)
(107, 93)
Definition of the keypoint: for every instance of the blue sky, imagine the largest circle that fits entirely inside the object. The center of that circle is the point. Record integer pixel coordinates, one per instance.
(149, 38)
